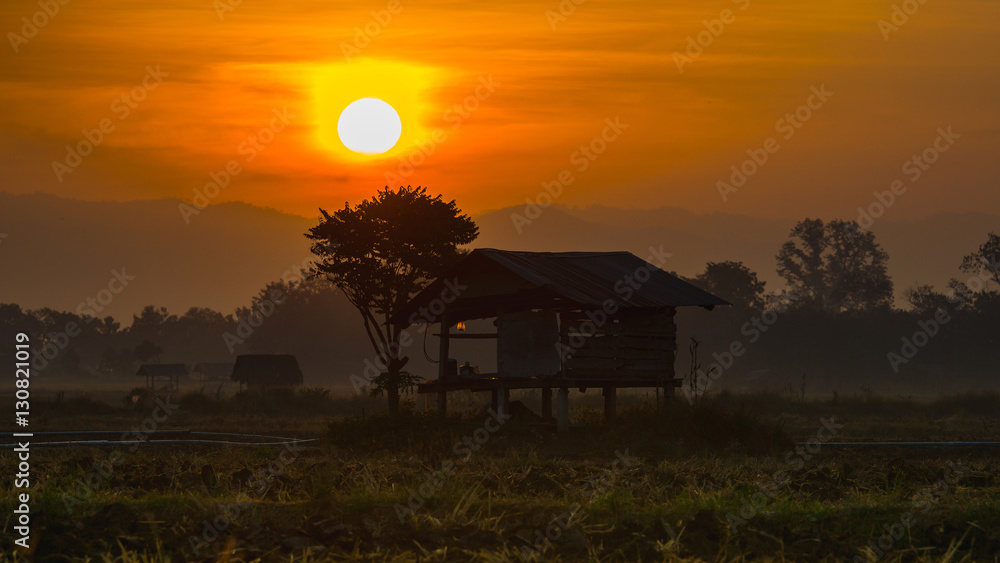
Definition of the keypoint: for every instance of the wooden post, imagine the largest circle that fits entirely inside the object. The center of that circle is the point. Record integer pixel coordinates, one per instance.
(562, 410)
(443, 366)
(610, 402)
(546, 402)
(503, 400)
(442, 403)
(494, 400)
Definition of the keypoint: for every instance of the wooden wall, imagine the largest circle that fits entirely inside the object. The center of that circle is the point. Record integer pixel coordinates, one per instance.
(637, 345)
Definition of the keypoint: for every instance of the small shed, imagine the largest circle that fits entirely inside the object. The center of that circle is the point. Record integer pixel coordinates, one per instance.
(209, 372)
(264, 371)
(564, 320)
(172, 372)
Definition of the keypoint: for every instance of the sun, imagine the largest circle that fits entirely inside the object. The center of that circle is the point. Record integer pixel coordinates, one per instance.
(371, 110)
(369, 126)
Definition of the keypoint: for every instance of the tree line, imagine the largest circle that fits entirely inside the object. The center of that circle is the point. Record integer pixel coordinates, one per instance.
(838, 322)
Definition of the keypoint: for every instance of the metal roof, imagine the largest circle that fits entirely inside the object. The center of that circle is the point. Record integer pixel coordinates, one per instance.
(581, 278)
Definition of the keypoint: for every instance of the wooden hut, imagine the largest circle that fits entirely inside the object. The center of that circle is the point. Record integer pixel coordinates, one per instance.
(264, 371)
(172, 373)
(564, 320)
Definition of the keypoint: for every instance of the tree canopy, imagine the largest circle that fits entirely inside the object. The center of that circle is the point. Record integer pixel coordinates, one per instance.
(986, 260)
(734, 282)
(383, 251)
(835, 267)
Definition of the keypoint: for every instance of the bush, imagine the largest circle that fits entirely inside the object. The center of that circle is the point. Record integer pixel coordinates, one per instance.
(139, 398)
(198, 402)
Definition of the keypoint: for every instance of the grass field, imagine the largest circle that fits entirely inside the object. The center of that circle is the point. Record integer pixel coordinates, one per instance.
(736, 478)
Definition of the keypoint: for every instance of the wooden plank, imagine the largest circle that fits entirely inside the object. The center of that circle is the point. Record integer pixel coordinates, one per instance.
(661, 356)
(600, 380)
(590, 372)
(611, 330)
(528, 343)
(661, 345)
(637, 354)
(471, 335)
(648, 365)
(601, 353)
(603, 346)
(594, 363)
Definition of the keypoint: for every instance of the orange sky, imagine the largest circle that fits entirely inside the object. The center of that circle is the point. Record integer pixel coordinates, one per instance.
(552, 91)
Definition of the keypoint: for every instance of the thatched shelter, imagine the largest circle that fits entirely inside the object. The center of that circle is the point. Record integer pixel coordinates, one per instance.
(172, 372)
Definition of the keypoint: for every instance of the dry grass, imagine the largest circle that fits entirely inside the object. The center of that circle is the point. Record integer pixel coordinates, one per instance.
(695, 468)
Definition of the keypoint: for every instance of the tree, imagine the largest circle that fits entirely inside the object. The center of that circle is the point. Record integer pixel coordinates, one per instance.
(835, 267)
(986, 259)
(925, 300)
(115, 362)
(382, 252)
(734, 282)
(152, 323)
(146, 351)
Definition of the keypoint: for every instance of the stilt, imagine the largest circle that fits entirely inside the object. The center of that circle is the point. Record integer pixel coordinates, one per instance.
(562, 410)
(546, 402)
(442, 397)
(610, 402)
(503, 402)
(443, 366)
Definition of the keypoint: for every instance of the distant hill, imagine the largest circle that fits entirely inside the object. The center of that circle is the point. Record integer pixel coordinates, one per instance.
(58, 252)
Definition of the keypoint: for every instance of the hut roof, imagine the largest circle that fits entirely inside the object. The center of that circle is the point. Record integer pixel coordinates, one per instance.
(267, 369)
(214, 369)
(162, 370)
(488, 278)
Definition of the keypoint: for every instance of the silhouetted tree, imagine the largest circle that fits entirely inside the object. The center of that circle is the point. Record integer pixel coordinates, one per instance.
(146, 351)
(151, 323)
(380, 253)
(835, 267)
(925, 300)
(986, 259)
(199, 332)
(734, 282)
(116, 362)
